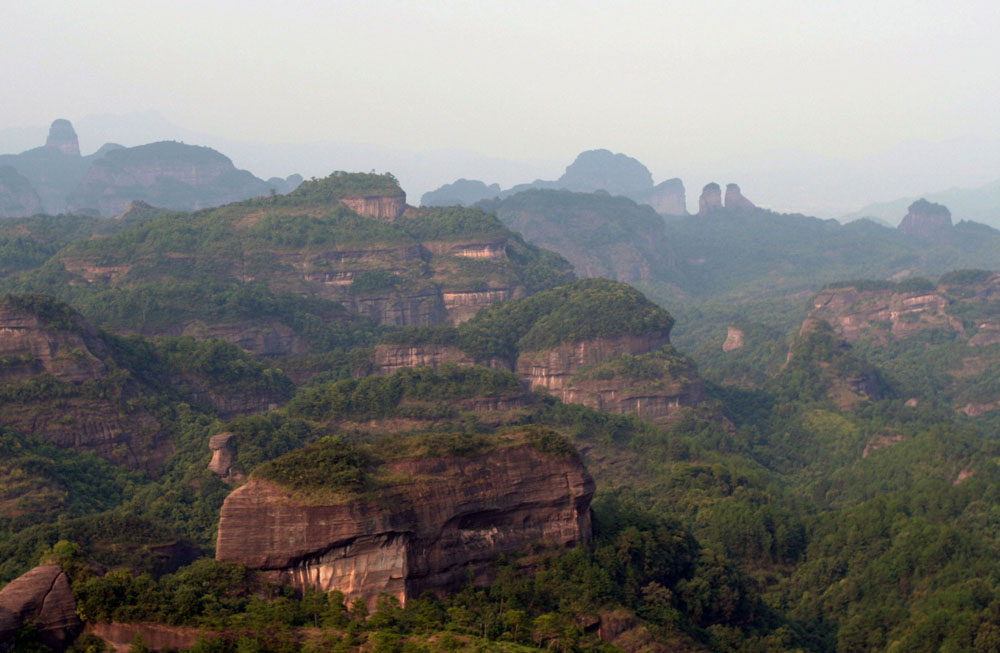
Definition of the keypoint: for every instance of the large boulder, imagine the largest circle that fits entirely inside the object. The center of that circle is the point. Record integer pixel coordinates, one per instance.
(41, 597)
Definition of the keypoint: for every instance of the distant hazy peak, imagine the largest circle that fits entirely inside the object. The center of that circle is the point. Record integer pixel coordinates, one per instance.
(735, 199)
(62, 137)
(925, 219)
(711, 198)
(618, 174)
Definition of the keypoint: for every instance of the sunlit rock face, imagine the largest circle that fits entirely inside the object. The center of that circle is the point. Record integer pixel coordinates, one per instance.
(442, 522)
(62, 137)
(382, 207)
(711, 199)
(926, 219)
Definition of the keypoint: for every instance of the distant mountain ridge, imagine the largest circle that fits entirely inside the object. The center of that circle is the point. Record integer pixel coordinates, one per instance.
(593, 170)
(55, 178)
(980, 204)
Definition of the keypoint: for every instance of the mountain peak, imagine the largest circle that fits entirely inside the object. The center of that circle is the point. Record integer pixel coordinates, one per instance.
(62, 137)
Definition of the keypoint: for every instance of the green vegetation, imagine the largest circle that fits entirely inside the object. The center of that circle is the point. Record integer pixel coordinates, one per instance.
(329, 190)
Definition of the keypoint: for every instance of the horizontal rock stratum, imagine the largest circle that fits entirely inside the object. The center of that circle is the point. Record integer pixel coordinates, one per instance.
(429, 524)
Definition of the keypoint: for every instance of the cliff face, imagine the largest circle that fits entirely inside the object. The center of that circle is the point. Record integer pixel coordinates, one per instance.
(666, 198)
(554, 368)
(445, 518)
(926, 220)
(382, 207)
(735, 199)
(711, 198)
(62, 137)
(42, 596)
(875, 314)
(392, 358)
(28, 347)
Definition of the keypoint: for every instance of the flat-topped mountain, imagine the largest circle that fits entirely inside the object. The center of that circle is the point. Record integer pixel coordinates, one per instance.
(167, 174)
(926, 220)
(594, 342)
(426, 514)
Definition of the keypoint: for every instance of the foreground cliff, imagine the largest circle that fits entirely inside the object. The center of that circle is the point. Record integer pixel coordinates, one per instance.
(422, 520)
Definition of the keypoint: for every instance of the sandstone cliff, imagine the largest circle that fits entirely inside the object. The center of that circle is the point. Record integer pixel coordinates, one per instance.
(381, 207)
(42, 596)
(880, 312)
(667, 197)
(926, 220)
(431, 524)
(711, 199)
(735, 199)
(62, 137)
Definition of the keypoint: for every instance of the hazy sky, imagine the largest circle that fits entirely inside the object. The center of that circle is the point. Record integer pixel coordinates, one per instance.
(666, 82)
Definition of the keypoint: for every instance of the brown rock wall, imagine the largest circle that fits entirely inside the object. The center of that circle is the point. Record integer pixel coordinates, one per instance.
(858, 314)
(382, 207)
(463, 305)
(41, 596)
(451, 518)
(734, 339)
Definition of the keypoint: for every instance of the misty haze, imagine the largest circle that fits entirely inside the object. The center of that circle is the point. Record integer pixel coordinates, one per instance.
(503, 327)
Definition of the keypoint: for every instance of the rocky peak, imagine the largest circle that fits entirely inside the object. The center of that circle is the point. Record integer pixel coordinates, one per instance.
(711, 199)
(618, 174)
(925, 219)
(62, 137)
(666, 198)
(735, 199)
(42, 597)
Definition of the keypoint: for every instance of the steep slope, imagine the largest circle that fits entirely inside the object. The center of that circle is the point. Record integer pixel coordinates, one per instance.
(602, 236)
(276, 274)
(595, 342)
(418, 519)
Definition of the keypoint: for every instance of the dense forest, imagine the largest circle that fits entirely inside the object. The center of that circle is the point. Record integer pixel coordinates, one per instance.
(834, 491)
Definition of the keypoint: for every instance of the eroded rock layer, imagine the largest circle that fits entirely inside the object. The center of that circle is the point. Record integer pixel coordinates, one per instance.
(42, 597)
(440, 521)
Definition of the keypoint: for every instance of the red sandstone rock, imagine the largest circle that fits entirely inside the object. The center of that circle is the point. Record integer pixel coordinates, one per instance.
(735, 199)
(445, 518)
(41, 596)
(926, 219)
(734, 339)
(711, 199)
(62, 137)
(382, 207)
(857, 314)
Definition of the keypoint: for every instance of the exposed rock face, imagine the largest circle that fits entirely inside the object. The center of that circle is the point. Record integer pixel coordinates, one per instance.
(43, 597)
(926, 219)
(17, 196)
(428, 533)
(734, 339)
(267, 339)
(657, 404)
(62, 137)
(29, 347)
(711, 199)
(857, 315)
(493, 249)
(383, 207)
(881, 441)
(224, 457)
(666, 198)
(392, 358)
(419, 309)
(554, 368)
(463, 305)
(735, 199)
(71, 353)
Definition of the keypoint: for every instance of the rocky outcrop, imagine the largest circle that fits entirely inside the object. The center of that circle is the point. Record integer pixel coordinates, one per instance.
(491, 249)
(264, 338)
(711, 199)
(658, 402)
(157, 637)
(554, 369)
(734, 339)
(382, 207)
(223, 463)
(30, 346)
(926, 219)
(422, 308)
(735, 199)
(439, 522)
(666, 198)
(62, 137)
(881, 441)
(876, 314)
(42, 597)
(392, 358)
(17, 196)
(462, 305)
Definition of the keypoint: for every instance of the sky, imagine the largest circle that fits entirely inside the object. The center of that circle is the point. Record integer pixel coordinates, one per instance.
(678, 85)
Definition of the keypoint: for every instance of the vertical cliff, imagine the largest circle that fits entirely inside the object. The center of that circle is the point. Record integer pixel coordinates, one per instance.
(424, 523)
